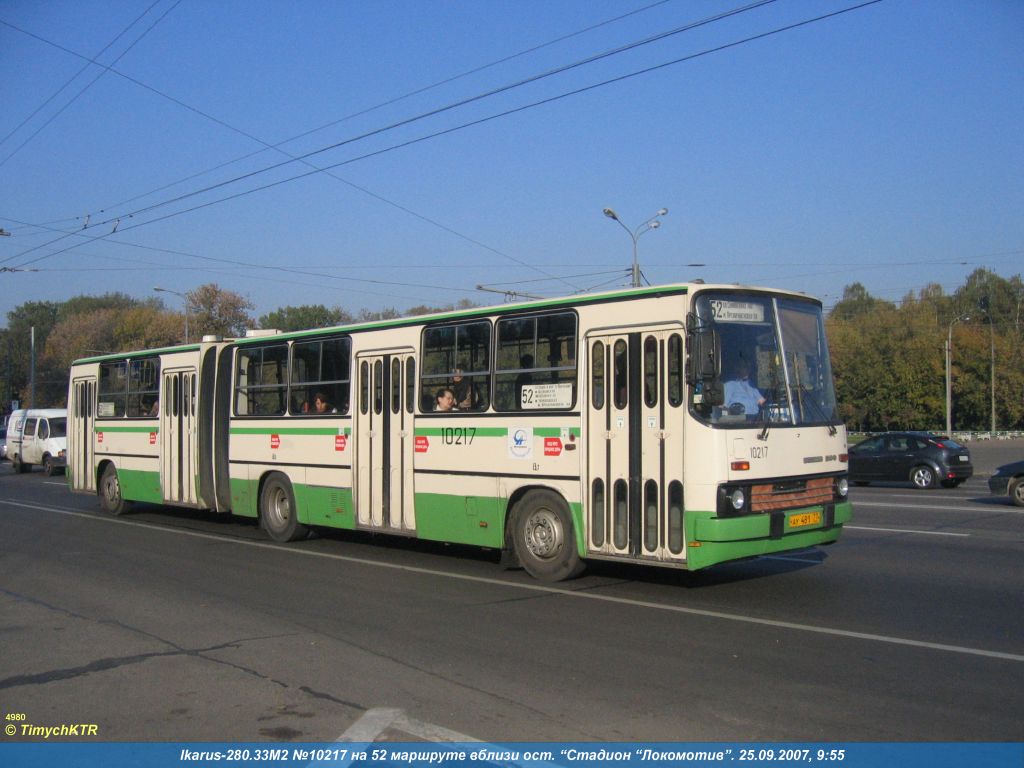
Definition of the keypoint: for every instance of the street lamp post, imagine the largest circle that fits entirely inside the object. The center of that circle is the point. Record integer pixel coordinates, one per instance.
(647, 226)
(184, 298)
(949, 380)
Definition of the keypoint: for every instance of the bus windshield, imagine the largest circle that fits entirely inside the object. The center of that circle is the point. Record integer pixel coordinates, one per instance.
(775, 366)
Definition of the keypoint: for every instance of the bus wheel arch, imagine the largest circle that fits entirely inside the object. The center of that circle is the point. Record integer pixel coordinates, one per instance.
(278, 512)
(541, 532)
(108, 488)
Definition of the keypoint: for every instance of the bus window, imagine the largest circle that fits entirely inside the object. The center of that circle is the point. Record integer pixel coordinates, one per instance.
(261, 380)
(650, 372)
(597, 377)
(320, 367)
(621, 369)
(113, 389)
(535, 363)
(410, 383)
(675, 370)
(457, 357)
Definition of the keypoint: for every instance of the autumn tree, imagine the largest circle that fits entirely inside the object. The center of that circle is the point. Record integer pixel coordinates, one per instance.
(216, 311)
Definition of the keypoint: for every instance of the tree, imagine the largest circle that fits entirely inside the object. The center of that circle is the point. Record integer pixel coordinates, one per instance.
(305, 316)
(214, 310)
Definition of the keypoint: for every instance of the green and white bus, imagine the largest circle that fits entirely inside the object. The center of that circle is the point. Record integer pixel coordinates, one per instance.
(608, 426)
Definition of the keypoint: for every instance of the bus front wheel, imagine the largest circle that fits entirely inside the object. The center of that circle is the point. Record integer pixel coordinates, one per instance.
(542, 535)
(110, 492)
(277, 510)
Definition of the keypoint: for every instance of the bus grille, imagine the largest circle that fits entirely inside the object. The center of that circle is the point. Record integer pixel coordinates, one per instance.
(772, 497)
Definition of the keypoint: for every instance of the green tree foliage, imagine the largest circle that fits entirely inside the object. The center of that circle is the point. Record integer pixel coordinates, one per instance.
(889, 360)
(305, 316)
(219, 312)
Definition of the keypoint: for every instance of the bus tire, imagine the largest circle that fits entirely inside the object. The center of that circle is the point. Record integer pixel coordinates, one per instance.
(111, 500)
(278, 514)
(923, 477)
(543, 537)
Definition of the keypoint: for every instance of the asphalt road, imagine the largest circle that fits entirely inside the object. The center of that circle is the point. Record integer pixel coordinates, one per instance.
(172, 625)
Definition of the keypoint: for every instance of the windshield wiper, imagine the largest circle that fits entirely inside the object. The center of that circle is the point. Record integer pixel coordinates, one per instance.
(819, 410)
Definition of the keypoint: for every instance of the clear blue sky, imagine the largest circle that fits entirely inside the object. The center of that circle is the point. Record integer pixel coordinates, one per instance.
(882, 146)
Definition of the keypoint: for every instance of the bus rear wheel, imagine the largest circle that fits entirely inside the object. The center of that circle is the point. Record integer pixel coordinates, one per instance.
(543, 538)
(278, 514)
(111, 499)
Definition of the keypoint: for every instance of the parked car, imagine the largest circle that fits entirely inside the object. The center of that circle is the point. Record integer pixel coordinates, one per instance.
(38, 437)
(1009, 481)
(926, 460)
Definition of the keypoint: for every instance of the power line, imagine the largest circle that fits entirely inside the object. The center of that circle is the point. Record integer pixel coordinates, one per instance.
(376, 107)
(447, 108)
(56, 93)
(89, 85)
(549, 100)
(303, 158)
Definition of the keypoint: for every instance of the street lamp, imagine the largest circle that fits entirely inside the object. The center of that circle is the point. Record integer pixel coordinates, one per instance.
(647, 226)
(184, 298)
(949, 381)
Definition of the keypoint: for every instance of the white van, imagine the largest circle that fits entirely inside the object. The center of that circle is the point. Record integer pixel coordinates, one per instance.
(38, 436)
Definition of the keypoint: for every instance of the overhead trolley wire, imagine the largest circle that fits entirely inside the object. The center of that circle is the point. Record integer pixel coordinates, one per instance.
(89, 85)
(115, 220)
(70, 80)
(505, 113)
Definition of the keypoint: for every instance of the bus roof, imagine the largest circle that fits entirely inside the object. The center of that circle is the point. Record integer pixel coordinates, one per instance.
(621, 294)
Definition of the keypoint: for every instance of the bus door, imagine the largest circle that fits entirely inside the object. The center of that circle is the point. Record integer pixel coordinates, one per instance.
(635, 419)
(384, 440)
(81, 446)
(178, 444)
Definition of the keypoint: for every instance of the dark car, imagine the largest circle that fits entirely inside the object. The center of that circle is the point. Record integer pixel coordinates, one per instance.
(926, 460)
(1009, 481)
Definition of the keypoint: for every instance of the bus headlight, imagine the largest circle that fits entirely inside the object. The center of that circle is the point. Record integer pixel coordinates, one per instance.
(842, 487)
(737, 499)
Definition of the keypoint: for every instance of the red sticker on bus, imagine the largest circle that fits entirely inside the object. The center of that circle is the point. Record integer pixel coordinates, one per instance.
(99, 437)
(152, 438)
(275, 441)
(340, 441)
(552, 446)
(422, 444)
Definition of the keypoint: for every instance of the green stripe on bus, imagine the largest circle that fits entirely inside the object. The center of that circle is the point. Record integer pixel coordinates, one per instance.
(98, 428)
(290, 431)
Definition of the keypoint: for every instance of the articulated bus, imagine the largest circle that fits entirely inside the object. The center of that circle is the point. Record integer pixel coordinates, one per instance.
(583, 428)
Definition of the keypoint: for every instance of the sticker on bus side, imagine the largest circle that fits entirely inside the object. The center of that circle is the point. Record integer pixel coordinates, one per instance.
(520, 442)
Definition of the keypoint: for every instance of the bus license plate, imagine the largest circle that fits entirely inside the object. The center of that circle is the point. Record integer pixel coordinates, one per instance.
(810, 518)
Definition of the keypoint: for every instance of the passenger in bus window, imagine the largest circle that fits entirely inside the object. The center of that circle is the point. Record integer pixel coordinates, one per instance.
(322, 405)
(154, 410)
(465, 396)
(740, 392)
(445, 400)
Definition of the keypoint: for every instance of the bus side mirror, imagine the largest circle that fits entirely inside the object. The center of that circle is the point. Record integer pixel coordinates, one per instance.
(704, 362)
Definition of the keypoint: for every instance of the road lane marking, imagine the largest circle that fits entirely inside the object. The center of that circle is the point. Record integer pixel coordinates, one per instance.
(939, 508)
(902, 530)
(540, 588)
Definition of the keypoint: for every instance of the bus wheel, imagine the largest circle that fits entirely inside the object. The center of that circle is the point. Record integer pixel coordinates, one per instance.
(542, 535)
(277, 510)
(111, 499)
(923, 477)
